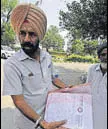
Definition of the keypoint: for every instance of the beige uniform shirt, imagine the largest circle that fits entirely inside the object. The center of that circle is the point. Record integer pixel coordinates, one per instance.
(24, 75)
(99, 94)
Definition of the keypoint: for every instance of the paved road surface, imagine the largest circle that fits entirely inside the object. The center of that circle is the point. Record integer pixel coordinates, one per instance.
(70, 73)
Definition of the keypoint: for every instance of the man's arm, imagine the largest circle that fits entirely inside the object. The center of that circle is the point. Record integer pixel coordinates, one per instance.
(22, 105)
(57, 82)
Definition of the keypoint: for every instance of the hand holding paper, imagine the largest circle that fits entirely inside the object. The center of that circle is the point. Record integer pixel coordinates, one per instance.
(73, 104)
(53, 125)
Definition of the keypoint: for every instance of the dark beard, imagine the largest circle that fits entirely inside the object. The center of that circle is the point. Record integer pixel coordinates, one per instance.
(30, 48)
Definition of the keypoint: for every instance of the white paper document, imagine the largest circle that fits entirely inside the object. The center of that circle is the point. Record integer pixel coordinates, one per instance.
(76, 108)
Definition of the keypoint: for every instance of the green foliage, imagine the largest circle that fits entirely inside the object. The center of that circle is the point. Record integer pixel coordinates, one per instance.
(90, 47)
(57, 58)
(78, 47)
(7, 5)
(62, 57)
(58, 53)
(84, 47)
(85, 18)
(78, 58)
(53, 39)
(7, 34)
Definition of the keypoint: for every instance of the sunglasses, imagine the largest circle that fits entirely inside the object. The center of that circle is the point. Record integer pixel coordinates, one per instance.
(103, 54)
(24, 33)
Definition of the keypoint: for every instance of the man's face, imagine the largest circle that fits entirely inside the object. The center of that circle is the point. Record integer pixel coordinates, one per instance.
(27, 34)
(29, 39)
(103, 56)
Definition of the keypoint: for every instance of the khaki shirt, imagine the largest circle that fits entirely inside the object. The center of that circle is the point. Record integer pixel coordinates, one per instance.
(99, 94)
(24, 75)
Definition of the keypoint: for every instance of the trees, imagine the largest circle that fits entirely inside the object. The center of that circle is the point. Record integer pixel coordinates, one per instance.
(85, 21)
(88, 17)
(7, 34)
(84, 47)
(53, 39)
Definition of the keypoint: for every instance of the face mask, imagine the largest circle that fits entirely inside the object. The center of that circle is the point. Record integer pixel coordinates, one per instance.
(30, 48)
(104, 65)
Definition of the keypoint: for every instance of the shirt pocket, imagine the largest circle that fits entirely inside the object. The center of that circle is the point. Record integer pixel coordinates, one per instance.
(32, 83)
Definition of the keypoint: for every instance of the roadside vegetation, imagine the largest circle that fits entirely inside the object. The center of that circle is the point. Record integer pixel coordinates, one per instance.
(63, 57)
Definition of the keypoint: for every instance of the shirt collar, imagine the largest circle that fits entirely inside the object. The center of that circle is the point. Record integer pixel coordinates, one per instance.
(98, 67)
(24, 56)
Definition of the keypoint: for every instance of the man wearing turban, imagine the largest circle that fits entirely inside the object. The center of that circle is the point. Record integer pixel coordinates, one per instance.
(28, 74)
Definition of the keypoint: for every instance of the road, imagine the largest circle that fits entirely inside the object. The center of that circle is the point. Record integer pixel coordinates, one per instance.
(70, 73)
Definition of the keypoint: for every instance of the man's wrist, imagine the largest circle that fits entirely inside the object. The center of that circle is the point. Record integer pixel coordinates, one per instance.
(43, 123)
(38, 121)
